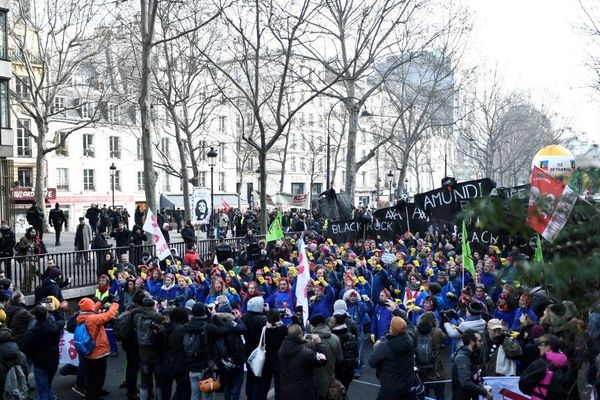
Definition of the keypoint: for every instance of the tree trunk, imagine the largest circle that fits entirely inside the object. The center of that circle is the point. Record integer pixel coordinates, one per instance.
(350, 184)
(402, 176)
(40, 170)
(283, 162)
(262, 162)
(184, 172)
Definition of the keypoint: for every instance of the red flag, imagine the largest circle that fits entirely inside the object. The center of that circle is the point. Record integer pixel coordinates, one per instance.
(225, 206)
(550, 204)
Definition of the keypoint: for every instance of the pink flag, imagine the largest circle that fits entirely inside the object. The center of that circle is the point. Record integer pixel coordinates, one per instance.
(151, 227)
(225, 205)
(302, 278)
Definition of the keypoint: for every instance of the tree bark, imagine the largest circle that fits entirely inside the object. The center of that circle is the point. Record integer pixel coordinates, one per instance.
(262, 162)
(350, 184)
(40, 169)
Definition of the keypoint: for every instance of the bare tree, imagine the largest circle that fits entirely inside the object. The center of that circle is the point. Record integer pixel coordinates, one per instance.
(57, 47)
(261, 60)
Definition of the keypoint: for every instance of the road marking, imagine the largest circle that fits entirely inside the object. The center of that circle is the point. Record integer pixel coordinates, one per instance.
(366, 383)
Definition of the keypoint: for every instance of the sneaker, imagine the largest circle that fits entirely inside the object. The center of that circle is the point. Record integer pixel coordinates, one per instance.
(79, 390)
(357, 375)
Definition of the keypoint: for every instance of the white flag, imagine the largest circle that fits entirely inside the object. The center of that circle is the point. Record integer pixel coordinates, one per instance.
(302, 278)
(151, 227)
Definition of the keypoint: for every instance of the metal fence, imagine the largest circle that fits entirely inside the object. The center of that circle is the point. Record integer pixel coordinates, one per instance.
(82, 266)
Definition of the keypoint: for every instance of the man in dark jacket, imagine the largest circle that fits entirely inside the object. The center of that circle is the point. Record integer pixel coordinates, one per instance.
(132, 352)
(122, 237)
(7, 245)
(150, 355)
(93, 216)
(9, 354)
(393, 358)
(465, 368)
(205, 360)
(18, 318)
(187, 233)
(41, 346)
(297, 361)
(174, 365)
(254, 320)
(234, 353)
(138, 216)
(35, 217)
(57, 218)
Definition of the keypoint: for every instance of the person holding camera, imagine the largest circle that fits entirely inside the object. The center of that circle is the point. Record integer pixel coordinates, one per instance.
(149, 324)
(466, 373)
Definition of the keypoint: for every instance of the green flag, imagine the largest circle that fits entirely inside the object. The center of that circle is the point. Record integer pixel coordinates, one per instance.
(539, 254)
(467, 259)
(275, 230)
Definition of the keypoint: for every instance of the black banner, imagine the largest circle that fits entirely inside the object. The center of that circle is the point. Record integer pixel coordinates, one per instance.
(353, 230)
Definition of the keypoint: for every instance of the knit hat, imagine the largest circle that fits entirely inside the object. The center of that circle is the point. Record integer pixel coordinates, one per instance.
(5, 283)
(224, 308)
(350, 293)
(147, 302)
(86, 304)
(190, 304)
(536, 332)
(397, 326)
(199, 310)
(317, 320)
(340, 308)
(475, 308)
(256, 304)
(54, 273)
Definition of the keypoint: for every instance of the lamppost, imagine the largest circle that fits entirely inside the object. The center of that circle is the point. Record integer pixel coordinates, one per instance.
(113, 171)
(390, 180)
(212, 161)
(365, 113)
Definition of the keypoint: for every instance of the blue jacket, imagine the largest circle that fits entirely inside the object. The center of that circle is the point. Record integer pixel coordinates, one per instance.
(359, 312)
(380, 323)
(167, 293)
(202, 291)
(279, 299)
(507, 317)
(153, 287)
(323, 305)
(517, 314)
(380, 282)
(187, 293)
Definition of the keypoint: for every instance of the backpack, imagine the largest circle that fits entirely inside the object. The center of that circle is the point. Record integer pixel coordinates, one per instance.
(425, 356)
(84, 344)
(195, 343)
(15, 384)
(557, 386)
(349, 348)
(123, 326)
(147, 331)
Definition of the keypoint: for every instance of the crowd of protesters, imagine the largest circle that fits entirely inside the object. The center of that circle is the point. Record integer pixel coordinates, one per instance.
(187, 319)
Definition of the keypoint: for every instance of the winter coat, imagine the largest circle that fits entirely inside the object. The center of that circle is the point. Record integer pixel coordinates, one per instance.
(474, 322)
(57, 219)
(10, 353)
(437, 342)
(464, 368)
(150, 354)
(174, 340)
(380, 282)
(380, 323)
(95, 324)
(323, 305)
(187, 234)
(516, 325)
(297, 362)
(154, 286)
(233, 339)
(17, 320)
(122, 237)
(534, 379)
(167, 293)
(393, 359)
(511, 347)
(86, 237)
(254, 323)
(359, 312)
(42, 342)
(274, 335)
(93, 215)
(7, 243)
(51, 288)
(333, 352)
(214, 331)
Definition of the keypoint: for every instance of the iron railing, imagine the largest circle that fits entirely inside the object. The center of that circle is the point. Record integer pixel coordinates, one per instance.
(82, 266)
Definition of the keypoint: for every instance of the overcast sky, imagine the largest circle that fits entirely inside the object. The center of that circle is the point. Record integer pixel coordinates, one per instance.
(538, 47)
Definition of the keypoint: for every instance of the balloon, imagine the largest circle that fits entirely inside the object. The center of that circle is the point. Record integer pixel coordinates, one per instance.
(556, 161)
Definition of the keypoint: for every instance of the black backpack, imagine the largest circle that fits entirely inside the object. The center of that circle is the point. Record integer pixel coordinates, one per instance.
(349, 348)
(195, 344)
(123, 325)
(147, 331)
(424, 354)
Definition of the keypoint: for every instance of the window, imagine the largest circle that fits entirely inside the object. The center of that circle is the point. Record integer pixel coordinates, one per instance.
(140, 153)
(86, 109)
(62, 179)
(250, 163)
(222, 124)
(311, 120)
(115, 148)
(24, 177)
(23, 138)
(203, 150)
(316, 189)
(112, 113)
(88, 179)
(202, 179)
(302, 165)
(166, 182)
(140, 180)
(303, 144)
(88, 145)
(61, 142)
(293, 164)
(238, 123)
(4, 104)
(298, 188)
(3, 36)
(22, 87)
(164, 145)
(59, 106)
(117, 180)
(221, 152)
(221, 182)
(364, 178)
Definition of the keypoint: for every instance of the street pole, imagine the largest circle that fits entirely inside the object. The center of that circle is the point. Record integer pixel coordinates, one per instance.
(113, 171)
(328, 159)
(212, 206)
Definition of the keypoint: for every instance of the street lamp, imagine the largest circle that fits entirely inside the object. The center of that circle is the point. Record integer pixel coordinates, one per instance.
(212, 161)
(365, 113)
(390, 180)
(113, 171)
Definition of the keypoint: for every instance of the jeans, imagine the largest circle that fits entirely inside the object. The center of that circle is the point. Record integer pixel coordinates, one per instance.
(232, 383)
(196, 377)
(361, 346)
(43, 382)
(95, 376)
(150, 381)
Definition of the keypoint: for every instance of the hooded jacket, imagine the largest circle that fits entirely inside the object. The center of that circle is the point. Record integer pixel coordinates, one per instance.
(437, 342)
(535, 379)
(394, 361)
(464, 368)
(213, 332)
(9, 353)
(380, 323)
(297, 363)
(150, 354)
(333, 351)
(42, 342)
(17, 320)
(95, 322)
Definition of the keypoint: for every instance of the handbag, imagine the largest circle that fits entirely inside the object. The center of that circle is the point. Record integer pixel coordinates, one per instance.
(504, 365)
(256, 360)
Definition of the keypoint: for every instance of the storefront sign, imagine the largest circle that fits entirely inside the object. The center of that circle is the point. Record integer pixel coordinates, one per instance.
(28, 194)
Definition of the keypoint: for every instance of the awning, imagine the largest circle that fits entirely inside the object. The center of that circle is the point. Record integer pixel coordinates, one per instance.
(173, 201)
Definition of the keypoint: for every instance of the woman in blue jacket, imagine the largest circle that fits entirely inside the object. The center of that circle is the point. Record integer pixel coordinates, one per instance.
(167, 290)
(282, 298)
(359, 309)
(380, 323)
